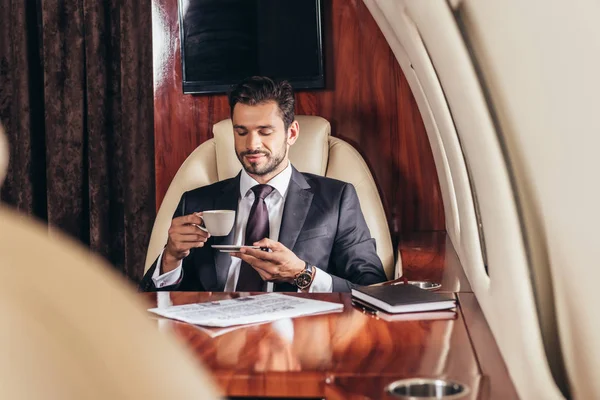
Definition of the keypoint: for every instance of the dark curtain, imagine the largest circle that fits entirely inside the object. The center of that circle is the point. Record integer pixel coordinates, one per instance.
(76, 102)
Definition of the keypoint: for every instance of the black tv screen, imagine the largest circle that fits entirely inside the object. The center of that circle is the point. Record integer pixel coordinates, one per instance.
(224, 41)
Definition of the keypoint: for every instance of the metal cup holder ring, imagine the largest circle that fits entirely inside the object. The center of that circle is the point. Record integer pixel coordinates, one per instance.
(426, 389)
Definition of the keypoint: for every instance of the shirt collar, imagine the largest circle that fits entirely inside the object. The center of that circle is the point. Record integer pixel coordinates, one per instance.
(280, 182)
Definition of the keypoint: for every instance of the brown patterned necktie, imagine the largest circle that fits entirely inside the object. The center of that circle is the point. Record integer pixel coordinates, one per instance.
(257, 228)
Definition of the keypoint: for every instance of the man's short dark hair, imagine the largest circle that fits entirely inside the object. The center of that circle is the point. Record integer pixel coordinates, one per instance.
(258, 90)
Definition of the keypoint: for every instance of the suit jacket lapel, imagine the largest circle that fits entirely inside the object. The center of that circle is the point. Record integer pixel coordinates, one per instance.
(227, 200)
(297, 204)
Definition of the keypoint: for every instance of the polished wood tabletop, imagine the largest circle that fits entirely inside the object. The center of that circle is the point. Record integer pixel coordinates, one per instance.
(337, 355)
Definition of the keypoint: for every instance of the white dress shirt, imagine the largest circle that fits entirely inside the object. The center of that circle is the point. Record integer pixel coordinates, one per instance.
(275, 203)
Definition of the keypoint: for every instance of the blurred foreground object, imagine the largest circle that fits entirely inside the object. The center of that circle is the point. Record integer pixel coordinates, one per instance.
(71, 329)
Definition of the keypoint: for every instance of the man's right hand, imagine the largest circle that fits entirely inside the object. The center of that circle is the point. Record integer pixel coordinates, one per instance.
(184, 234)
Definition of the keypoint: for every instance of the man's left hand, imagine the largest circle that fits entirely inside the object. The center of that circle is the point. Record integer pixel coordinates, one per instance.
(278, 265)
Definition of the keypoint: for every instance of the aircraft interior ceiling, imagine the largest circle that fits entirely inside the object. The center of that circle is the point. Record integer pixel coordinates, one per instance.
(506, 91)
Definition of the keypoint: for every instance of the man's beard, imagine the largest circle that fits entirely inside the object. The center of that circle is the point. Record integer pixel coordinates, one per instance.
(273, 161)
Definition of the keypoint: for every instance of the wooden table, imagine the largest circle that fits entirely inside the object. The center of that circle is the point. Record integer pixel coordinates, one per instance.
(346, 355)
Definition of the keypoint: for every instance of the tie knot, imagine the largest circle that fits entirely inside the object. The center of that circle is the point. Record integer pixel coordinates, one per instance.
(262, 191)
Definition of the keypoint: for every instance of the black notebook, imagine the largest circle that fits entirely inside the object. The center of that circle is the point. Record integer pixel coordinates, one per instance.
(403, 298)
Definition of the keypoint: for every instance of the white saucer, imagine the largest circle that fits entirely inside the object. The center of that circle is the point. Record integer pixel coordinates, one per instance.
(230, 248)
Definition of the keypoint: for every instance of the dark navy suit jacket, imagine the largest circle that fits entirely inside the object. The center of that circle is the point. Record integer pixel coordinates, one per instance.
(322, 224)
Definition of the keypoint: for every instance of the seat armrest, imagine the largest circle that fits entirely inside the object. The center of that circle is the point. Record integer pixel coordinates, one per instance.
(398, 265)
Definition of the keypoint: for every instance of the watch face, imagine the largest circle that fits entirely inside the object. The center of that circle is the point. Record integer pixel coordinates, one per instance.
(303, 280)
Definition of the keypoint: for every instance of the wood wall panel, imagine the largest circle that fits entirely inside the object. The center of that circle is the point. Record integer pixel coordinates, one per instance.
(367, 101)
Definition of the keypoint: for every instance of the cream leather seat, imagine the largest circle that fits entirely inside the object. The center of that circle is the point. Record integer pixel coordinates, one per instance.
(315, 152)
(71, 329)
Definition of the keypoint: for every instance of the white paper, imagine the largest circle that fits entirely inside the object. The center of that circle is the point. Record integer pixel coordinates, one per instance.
(214, 332)
(246, 310)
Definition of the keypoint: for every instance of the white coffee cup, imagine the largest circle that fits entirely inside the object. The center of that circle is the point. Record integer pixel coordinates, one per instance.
(218, 222)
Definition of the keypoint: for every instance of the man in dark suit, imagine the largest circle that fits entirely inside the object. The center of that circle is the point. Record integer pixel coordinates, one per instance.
(312, 233)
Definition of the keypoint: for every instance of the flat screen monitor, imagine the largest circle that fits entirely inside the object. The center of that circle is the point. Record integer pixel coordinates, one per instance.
(224, 41)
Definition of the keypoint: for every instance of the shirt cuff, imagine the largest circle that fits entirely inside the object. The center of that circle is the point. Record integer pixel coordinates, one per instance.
(323, 282)
(168, 279)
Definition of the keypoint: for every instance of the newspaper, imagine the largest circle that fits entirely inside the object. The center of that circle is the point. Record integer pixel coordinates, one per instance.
(246, 310)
